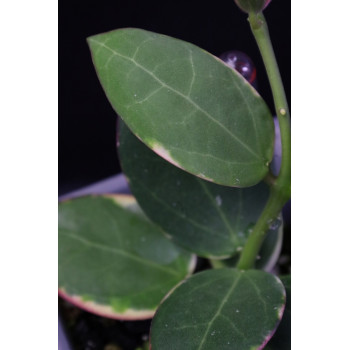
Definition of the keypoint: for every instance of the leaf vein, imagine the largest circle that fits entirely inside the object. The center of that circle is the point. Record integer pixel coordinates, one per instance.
(194, 223)
(117, 251)
(193, 75)
(218, 312)
(218, 209)
(258, 292)
(233, 325)
(208, 115)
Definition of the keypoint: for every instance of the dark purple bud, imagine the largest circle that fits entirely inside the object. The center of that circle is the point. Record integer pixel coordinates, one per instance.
(241, 63)
(252, 5)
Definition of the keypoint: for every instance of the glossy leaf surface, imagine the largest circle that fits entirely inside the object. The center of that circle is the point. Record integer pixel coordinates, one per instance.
(282, 338)
(186, 104)
(112, 260)
(220, 309)
(208, 219)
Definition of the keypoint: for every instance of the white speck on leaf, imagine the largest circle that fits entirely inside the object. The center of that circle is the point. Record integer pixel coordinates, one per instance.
(218, 200)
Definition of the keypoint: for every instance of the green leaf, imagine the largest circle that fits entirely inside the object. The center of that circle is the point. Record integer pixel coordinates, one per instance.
(220, 309)
(186, 105)
(269, 251)
(206, 218)
(112, 261)
(282, 338)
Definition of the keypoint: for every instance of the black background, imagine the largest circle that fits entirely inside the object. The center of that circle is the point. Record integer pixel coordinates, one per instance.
(87, 122)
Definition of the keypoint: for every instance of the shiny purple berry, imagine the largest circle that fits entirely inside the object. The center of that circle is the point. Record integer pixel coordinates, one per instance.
(241, 63)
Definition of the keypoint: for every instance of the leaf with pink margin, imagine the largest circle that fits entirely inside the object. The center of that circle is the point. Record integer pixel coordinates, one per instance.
(186, 105)
(281, 340)
(220, 309)
(113, 261)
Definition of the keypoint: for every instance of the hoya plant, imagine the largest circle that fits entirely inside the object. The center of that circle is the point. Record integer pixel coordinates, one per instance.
(196, 142)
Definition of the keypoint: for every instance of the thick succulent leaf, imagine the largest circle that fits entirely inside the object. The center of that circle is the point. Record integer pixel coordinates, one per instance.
(187, 105)
(220, 309)
(269, 251)
(208, 219)
(282, 338)
(112, 261)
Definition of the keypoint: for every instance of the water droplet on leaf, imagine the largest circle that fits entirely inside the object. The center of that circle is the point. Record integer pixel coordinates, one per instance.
(274, 223)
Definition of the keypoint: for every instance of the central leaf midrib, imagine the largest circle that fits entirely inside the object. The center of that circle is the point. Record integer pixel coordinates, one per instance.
(116, 251)
(187, 98)
(218, 312)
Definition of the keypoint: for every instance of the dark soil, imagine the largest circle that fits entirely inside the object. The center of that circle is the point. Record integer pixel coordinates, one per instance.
(90, 332)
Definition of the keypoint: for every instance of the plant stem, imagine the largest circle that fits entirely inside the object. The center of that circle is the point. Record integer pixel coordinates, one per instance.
(280, 188)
